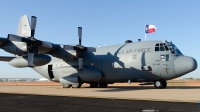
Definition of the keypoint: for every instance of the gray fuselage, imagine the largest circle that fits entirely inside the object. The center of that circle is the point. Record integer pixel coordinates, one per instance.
(144, 61)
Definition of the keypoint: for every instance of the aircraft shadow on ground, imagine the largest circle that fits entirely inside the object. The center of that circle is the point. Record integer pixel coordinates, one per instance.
(121, 88)
(183, 87)
(135, 88)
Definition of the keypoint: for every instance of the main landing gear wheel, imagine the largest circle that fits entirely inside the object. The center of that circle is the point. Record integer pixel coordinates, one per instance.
(77, 85)
(161, 84)
(94, 85)
(73, 86)
(67, 86)
(103, 85)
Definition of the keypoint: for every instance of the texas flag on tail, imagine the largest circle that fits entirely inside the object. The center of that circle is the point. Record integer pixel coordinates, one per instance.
(150, 28)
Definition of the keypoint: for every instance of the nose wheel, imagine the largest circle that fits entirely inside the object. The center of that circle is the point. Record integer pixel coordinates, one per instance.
(160, 84)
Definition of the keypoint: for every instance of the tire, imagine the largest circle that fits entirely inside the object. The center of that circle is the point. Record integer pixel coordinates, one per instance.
(103, 85)
(160, 84)
(66, 86)
(94, 85)
(164, 84)
(77, 85)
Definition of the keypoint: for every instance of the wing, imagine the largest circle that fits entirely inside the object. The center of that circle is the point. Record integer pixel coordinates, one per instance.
(46, 50)
(25, 43)
(58, 51)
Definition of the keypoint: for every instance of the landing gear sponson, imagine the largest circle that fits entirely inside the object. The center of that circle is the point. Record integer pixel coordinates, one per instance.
(92, 85)
(160, 84)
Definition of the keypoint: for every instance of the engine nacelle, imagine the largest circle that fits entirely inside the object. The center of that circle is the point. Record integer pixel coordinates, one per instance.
(89, 73)
(17, 48)
(39, 60)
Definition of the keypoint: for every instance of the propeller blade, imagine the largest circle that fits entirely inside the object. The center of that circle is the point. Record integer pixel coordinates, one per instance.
(68, 47)
(91, 49)
(80, 63)
(47, 44)
(30, 59)
(80, 34)
(14, 38)
(33, 25)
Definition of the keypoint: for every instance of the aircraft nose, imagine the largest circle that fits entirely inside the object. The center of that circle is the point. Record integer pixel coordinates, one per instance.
(184, 64)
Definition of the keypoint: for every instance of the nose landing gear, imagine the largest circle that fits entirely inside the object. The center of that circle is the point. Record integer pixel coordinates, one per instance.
(160, 84)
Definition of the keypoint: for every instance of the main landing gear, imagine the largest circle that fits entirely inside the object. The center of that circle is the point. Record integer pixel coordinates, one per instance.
(160, 84)
(100, 84)
(73, 85)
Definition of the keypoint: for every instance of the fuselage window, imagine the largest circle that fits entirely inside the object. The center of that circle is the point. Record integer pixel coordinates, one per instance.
(164, 57)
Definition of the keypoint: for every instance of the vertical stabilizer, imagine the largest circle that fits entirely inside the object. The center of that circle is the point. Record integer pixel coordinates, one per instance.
(24, 27)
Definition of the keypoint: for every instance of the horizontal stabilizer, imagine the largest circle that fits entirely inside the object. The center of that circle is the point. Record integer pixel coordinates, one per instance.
(3, 41)
(6, 58)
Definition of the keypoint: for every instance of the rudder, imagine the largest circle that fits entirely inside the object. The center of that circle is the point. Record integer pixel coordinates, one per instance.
(24, 27)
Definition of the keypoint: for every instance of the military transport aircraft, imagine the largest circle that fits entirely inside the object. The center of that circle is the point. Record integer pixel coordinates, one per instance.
(147, 62)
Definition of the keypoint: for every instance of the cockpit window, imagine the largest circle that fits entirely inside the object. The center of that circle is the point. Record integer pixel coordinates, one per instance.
(176, 49)
(166, 48)
(156, 48)
(171, 48)
(161, 47)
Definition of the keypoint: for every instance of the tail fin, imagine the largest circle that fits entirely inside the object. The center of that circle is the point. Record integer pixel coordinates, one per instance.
(24, 27)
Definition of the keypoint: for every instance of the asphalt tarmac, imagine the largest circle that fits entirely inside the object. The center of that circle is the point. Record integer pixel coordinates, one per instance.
(44, 103)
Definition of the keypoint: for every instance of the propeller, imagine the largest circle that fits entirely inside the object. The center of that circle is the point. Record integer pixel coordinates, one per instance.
(80, 49)
(32, 43)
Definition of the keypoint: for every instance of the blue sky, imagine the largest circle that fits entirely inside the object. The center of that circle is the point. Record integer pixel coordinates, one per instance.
(104, 22)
